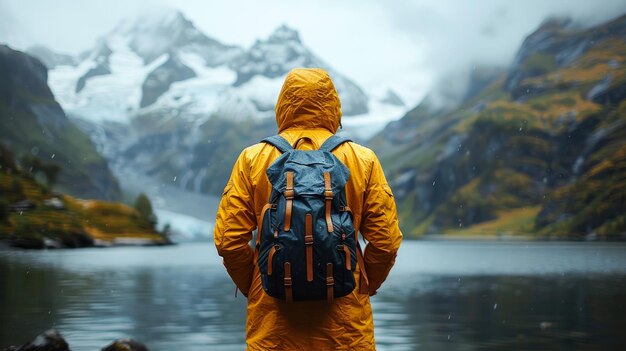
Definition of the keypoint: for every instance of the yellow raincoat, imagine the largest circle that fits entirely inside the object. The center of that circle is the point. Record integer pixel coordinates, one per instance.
(309, 106)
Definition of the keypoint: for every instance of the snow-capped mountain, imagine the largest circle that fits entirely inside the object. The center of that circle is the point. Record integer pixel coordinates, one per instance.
(162, 61)
(281, 52)
(171, 107)
(163, 31)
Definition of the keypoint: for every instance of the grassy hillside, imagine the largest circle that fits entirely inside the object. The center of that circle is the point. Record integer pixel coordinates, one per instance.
(31, 216)
(539, 151)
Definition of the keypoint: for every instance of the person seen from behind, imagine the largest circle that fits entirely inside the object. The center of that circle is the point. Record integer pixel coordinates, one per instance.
(307, 282)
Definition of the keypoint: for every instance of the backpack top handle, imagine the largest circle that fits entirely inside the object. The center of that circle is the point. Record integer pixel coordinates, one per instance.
(303, 139)
(283, 145)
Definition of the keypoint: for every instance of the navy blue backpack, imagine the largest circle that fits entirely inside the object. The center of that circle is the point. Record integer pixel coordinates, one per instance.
(307, 245)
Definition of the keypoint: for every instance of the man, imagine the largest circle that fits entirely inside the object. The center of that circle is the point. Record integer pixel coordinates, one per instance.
(308, 106)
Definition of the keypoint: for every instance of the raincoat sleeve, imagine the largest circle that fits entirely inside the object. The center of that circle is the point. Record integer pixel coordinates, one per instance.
(380, 228)
(234, 225)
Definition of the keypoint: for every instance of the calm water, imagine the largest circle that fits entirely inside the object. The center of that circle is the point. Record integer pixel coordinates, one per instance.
(440, 296)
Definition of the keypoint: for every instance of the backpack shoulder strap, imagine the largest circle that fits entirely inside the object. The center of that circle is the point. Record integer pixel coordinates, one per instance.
(331, 143)
(279, 142)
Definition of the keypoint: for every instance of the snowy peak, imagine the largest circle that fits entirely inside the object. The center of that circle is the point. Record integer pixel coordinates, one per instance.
(283, 51)
(284, 34)
(274, 57)
(159, 32)
(156, 20)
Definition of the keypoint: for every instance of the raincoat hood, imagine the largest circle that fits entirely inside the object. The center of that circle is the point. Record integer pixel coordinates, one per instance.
(308, 100)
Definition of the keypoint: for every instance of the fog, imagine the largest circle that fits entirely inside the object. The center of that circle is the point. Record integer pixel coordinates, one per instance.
(414, 47)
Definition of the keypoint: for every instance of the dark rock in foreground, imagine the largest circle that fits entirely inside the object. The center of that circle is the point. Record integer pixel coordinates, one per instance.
(51, 340)
(126, 345)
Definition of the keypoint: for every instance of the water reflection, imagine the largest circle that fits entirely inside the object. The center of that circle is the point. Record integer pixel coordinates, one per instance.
(506, 312)
(167, 305)
(441, 296)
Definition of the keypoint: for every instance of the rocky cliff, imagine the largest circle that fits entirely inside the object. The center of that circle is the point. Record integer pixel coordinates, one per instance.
(541, 150)
(32, 123)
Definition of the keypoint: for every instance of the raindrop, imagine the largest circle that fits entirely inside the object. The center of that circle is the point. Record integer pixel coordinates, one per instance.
(174, 178)
(21, 212)
(449, 316)
(433, 183)
(448, 336)
(52, 155)
(495, 306)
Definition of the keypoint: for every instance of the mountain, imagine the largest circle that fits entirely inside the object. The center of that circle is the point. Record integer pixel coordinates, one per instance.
(162, 31)
(161, 61)
(540, 150)
(171, 108)
(283, 51)
(33, 124)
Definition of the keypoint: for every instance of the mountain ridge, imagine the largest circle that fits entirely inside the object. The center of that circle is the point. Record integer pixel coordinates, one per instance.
(536, 151)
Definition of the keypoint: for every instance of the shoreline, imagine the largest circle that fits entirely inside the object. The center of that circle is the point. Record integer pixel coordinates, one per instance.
(512, 238)
(32, 245)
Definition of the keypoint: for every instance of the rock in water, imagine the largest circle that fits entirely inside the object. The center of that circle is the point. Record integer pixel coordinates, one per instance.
(125, 345)
(50, 340)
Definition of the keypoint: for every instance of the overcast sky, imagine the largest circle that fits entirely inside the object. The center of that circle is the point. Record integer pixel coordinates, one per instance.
(407, 45)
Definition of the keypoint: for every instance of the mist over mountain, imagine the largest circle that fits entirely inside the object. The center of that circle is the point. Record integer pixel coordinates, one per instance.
(536, 149)
(50, 58)
(171, 107)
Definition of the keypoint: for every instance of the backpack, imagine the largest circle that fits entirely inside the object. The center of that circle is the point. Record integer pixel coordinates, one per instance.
(306, 242)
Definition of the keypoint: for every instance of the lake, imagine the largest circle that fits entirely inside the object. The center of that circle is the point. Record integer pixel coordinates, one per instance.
(441, 295)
